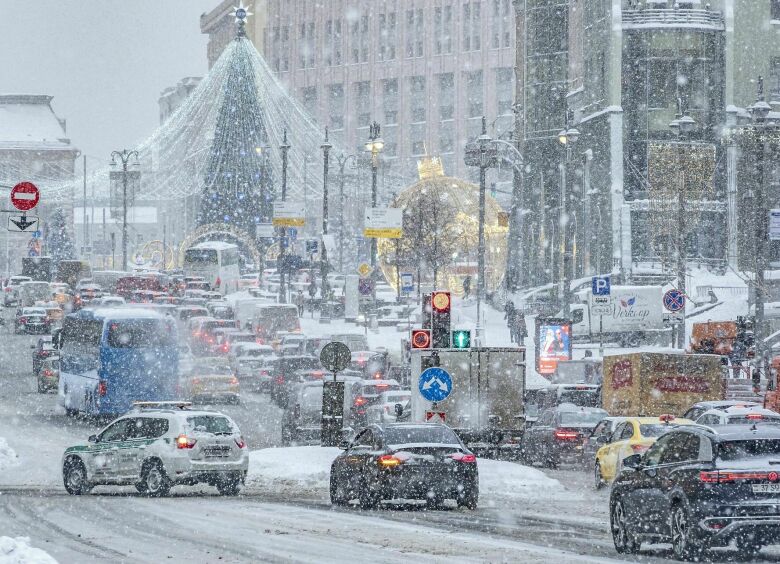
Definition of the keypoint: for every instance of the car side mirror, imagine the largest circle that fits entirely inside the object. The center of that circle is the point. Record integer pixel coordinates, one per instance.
(399, 410)
(92, 439)
(634, 461)
(344, 445)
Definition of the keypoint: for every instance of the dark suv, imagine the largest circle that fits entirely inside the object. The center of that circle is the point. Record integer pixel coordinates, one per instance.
(699, 487)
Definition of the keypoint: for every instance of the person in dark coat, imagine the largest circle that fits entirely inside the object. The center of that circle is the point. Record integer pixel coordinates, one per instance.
(509, 314)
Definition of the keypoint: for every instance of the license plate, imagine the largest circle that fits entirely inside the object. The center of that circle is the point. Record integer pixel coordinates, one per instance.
(766, 488)
(219, 452)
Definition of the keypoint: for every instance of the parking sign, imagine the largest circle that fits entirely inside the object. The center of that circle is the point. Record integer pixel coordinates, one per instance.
(601, 285)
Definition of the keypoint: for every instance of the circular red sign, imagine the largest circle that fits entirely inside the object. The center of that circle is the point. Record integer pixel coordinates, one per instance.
(421, 339)
(25, 196)
(773, 476)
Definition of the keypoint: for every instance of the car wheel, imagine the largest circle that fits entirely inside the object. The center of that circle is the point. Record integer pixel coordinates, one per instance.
(367, 498)
(598, 480)
(625, 542)
(229, 485)
(469, 497)
(337, 494)
(74, 476)
(684, 544)
(748, 547)
(154, 480)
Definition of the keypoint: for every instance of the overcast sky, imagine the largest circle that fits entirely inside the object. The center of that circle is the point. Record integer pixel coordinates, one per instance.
(104, 61)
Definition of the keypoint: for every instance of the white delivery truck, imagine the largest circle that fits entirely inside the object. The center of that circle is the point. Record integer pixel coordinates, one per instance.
(485, 404)
(632, 315)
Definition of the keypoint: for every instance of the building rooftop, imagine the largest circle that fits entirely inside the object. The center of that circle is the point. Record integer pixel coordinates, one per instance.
(27, 121)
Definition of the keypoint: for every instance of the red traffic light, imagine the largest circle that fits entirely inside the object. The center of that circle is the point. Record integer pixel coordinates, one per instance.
(421, 338)
(440, 301)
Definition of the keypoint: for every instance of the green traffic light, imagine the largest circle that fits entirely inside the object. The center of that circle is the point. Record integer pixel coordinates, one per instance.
(461, 339)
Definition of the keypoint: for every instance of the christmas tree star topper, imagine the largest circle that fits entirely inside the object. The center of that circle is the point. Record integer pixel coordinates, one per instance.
(240, 13)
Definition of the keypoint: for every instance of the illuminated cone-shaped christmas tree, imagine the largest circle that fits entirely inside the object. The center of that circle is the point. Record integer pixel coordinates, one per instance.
(238, 180)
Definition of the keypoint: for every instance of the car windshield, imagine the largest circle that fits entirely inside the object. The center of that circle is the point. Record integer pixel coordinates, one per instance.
(421, 435)
(753, 448)
(210, 424)
(138, 333)
(582, 417)
(653, 430)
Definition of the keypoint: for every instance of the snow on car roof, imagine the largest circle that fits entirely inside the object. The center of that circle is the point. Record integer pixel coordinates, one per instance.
(215, 245)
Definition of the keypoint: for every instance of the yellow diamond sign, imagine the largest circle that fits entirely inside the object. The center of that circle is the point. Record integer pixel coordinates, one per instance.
(365, 269)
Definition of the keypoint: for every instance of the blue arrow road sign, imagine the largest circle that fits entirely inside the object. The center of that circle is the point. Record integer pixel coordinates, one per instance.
(674, 300)
(435, 384)
(601, 285)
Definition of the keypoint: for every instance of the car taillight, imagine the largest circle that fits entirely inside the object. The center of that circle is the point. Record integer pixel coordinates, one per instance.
(463, 457)
(754, 416)
(22, 320)
(183, 441)
(196, 333)
(264, 373)
(102, 388)
(225, 347)
(639, 449)
(260, 341)
(389, 461)
(240, 443)
(279, 380)
(48, 373)
(720, 477)
(196, 381)
(234, 381)
(360, 400)
(565, 435)
(377, 375)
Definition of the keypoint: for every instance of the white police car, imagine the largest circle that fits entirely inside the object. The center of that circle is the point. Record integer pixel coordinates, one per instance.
(157, 445)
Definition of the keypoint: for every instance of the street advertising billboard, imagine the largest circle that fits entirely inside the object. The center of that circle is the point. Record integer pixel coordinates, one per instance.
(552, 339)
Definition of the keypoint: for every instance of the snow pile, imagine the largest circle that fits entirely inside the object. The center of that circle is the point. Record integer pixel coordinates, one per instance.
(18, 551)
(297, 471)
(305, 471)
(8, 457)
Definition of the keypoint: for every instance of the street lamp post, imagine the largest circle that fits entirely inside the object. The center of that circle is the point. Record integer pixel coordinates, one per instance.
(124, 157)
(285, 147)
(682, 127)
(324, 313)
(374, 146)
(568, 137)
(484, 141)
(342, 160)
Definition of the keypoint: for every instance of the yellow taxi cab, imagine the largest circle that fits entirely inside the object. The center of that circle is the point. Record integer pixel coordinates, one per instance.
(211, 380)
(53, 311)
(633, 436)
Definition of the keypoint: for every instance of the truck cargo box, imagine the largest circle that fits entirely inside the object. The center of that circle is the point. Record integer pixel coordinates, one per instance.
(653, 384)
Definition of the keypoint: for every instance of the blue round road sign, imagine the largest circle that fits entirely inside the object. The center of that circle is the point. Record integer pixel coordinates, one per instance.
(674, 300)
(435, 384)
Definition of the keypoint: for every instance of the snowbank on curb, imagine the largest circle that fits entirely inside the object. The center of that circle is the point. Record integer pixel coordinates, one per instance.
(8, 457)
(305, 471)
(18, 551)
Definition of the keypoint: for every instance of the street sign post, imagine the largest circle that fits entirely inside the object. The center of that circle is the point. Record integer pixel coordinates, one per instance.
(335, 357)
(365, 286)
(25, 196)
(407, 282)
(365, 269)
(601, 304)
(383, 223)
(288, 214)
(22, 223)
(435, 384)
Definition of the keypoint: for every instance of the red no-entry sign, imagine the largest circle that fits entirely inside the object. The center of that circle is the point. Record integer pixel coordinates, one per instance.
(25, 196)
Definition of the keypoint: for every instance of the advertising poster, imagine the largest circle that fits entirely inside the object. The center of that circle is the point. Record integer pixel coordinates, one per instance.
(553, 343)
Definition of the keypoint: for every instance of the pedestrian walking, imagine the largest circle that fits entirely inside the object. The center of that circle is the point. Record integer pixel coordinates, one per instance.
(521, 331)
(299, 301)
(509, 315)
(467, 287)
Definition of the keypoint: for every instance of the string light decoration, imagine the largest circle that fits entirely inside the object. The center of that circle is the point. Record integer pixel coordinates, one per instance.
(672, 166)
(451, 229)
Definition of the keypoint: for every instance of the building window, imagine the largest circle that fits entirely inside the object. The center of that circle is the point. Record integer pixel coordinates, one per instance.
(390, 100)
(359, 40)
(363, 103)
(775, 9)
(417, 139)
(501, 24)
(333, 43)
(417, 99)
(505, 90)
(474, 97)
(387, 36)
(414, 33)
(471, 26)
(446, 96)
(309, 99)
(390, 136)
(442, 29)
(307, 57)
(336, 106)
(285, 48)
(447, 137)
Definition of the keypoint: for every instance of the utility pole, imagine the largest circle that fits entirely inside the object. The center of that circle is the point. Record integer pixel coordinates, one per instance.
(124, 158)
(375, 145)
(324, 311)
(568, 137)
(285, 147)
(484, 143)
(342, 160)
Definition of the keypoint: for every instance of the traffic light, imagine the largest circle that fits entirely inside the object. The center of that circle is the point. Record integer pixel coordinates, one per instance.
(421, 338)
(440, 319)
(461, 339)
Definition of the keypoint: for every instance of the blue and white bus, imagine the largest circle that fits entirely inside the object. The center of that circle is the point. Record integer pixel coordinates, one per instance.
(112, 357)
(217, 262)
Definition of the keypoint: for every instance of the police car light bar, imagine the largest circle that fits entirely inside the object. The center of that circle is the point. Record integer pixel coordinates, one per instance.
(161, 404)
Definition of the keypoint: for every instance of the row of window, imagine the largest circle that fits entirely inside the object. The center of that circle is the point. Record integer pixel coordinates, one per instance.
(420, 95)
(277, 42)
